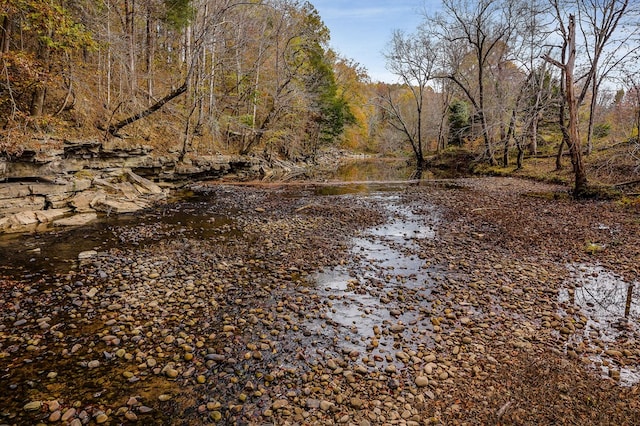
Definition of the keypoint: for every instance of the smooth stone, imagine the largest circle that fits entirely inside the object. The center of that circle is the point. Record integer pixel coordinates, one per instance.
(356, 402)
(280, 403)
(422, 381)
(71, 412)
(88, 254)
(326, 405)
(33, 406)
(313, 403)
(53, 405)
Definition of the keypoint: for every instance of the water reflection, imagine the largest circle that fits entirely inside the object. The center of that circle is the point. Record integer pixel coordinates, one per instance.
(29, 256)
(374, 169)
(606, 297)
(612, 314)
(369, 293)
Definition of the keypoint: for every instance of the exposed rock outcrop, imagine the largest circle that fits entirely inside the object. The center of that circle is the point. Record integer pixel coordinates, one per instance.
(57, 179)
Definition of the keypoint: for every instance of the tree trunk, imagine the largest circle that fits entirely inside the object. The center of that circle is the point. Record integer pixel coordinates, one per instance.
(592, 111)
(40, 91)
(519, 142)
(505, 146)
(562, 123)
(149, 53)
(37, 101)
(485, 125)
(533, 133)
(509, 135)
(186, 144)
(559, 154)
(535, 116)
(580, 182)
(5, 35)
(131, 39)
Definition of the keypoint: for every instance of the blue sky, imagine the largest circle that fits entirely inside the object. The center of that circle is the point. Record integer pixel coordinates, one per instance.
(361, 29)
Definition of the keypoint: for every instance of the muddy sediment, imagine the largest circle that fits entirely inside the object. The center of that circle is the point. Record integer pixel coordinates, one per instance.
(451, 302)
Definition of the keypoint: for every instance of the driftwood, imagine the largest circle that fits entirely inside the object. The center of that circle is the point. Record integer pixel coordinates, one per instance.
(114, 128)
(628, 183)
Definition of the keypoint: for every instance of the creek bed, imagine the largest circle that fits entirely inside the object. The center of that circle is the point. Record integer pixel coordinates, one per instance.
(267, 304)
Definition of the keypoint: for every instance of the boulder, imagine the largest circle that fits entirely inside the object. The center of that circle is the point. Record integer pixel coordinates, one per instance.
(81, 202)
(60, 201)
(25, 218)
(14, 190)
(129, 191)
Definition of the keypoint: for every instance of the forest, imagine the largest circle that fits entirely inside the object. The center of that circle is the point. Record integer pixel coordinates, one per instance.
(504, 79)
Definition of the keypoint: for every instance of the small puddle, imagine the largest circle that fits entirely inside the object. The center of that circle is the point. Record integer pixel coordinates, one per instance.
(370, 293)
(612, 308)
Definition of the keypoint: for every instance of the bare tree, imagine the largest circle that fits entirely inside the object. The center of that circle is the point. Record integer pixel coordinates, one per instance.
(567, 66)
(474, 33)
(412, 58)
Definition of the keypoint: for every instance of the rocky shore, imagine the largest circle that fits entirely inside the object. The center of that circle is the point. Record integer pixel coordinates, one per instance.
(454, 302)
(70, 183)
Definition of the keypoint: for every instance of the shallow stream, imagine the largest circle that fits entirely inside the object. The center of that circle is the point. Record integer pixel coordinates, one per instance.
(150, 296)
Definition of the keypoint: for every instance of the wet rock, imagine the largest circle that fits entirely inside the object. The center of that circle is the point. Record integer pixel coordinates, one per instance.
(33, 406)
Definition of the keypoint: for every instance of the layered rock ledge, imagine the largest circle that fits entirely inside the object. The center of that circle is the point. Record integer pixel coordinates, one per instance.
(66, 183)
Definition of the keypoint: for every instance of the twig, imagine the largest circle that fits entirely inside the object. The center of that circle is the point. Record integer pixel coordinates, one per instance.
(503, 409)
(629, 183)
(486, 208)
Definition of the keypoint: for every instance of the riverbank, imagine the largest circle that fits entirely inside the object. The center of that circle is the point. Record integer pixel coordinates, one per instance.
(450, 302)
(60, 183)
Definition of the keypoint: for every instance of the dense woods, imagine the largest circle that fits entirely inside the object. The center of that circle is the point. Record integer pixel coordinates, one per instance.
(222, 75)
(504, 79)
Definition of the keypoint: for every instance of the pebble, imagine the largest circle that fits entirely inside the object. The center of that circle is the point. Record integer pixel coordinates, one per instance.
(422, 381)
(33, 406)
(280, 403)
(71, 412)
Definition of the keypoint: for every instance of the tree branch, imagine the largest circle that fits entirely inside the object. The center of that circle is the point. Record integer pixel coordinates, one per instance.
(114, 128)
